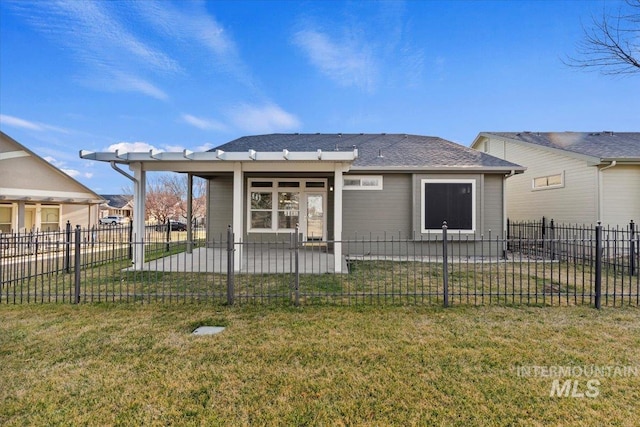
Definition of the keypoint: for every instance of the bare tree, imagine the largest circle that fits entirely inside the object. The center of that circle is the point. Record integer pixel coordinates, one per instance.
(612, 44)
(177, 185)
(166, 197)
(161, 202)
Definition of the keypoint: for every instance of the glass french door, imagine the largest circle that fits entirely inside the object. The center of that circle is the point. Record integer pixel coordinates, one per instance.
(315, 216)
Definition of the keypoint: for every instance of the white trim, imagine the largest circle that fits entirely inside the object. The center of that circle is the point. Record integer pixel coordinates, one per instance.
(337, 218)
(13, 154)
(448, 181)
(20, 193)
(547, 187)
(361, 178)
(274, 190)
(221, 156)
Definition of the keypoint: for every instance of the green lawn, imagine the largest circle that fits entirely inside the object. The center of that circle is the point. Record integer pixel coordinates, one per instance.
(319, 365)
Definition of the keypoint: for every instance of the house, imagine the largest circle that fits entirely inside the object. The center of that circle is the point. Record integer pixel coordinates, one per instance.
(336, 186)
(572, 177)
(35, 195)
(117, 204)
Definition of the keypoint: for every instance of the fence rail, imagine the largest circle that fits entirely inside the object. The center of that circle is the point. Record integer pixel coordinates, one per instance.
(598, 268)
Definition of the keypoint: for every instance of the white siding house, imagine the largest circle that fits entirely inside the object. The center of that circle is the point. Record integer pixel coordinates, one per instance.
(571, 177)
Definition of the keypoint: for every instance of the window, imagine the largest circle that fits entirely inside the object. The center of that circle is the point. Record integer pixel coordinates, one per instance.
(450, 200)
(548, 182)
(275, 204)
(5, 219)
(362, 182)
(50, 218)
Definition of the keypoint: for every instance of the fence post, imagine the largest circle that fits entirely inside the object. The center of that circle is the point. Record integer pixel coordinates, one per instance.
(230, 266)
(445, 264)
(598, 296)
(552, 239)
(131, 240)
(67, 249)
(296, 265)
(168, 234)
(76, 267)
(632, 248)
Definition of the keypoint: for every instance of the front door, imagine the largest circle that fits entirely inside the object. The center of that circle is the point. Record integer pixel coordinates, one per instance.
(315, 217)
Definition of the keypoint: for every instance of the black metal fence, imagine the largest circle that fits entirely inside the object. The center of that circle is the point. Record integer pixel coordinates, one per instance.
(591, 268)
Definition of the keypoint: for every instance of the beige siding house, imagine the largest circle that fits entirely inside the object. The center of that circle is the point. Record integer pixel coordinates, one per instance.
(35, 195)
(571, 177)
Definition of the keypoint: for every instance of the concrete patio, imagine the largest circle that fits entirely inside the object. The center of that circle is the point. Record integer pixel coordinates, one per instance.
(255, 260)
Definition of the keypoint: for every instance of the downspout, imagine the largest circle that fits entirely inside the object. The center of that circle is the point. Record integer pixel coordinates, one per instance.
(600, 192)
(504, 211)
(117, 169)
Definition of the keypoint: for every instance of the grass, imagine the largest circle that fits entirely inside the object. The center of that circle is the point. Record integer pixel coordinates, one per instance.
(107, 364)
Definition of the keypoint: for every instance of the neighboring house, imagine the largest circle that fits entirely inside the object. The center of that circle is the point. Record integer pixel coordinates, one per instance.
(117, 204)
(571, 177)
(35, 195)
(337, 186)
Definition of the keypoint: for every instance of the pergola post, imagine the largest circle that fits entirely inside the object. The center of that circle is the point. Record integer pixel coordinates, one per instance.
(189, 213)
(237, 225)
(337, 218)
(21, 213)
(139, 209)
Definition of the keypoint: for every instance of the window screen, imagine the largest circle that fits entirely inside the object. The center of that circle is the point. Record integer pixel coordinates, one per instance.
(448, 201)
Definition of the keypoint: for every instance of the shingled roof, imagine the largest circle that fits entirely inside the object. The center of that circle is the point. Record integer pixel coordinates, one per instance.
(619, 146)
(118, 201)
(378, 151)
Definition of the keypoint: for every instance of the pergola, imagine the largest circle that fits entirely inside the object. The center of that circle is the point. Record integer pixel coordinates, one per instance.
(237, 163)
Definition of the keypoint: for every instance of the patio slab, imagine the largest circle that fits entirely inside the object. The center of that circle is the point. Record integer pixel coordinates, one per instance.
(258, 261)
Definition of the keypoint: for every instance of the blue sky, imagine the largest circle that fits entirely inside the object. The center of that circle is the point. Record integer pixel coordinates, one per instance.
(173, 75)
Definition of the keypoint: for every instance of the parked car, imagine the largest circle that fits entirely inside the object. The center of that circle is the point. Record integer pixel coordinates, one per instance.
(111, 220)
(178, 226)
(174, 226)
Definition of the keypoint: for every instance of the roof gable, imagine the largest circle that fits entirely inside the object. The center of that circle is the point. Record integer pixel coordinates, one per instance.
(377, 151)
(49, 179)
(619, 146)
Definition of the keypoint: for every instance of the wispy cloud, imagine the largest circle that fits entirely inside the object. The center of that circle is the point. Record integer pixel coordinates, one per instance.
(201, 123)
(263, 119)
(191, 24)
(348, 62)
(101, 42)
(17, 122)
(353, 51)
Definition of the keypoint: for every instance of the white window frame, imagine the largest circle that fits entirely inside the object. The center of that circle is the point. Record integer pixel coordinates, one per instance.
(448, 181)
(10, 208)
(42, 220)
(302, 190)
(547, 187)
(378, 186)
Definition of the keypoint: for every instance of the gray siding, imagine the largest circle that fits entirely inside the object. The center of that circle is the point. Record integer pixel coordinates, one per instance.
(492, 206)
(374, 212)
(220, 206)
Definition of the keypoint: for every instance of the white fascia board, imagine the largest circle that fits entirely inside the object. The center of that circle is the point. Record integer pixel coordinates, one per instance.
(47, 195)
(13, 154)
(219, 156)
